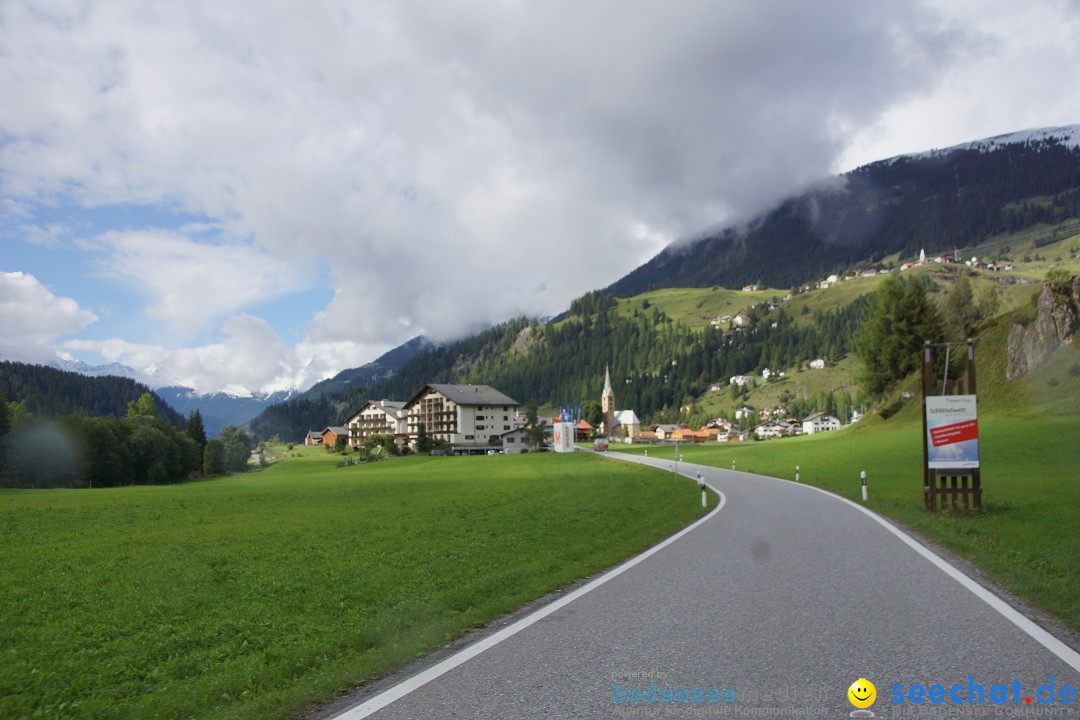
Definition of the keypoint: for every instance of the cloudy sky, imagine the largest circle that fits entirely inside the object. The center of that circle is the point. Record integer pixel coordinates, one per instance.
(259, 194)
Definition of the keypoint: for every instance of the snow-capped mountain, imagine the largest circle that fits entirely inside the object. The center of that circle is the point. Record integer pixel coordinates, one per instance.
(221, 408)
(110, 370)
(234, 406)
(1067, 135)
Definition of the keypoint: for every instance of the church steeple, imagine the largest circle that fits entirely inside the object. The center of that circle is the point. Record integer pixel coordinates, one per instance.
(607, 403)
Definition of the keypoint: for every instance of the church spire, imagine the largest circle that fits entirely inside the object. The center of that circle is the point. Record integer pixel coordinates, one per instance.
(607, 403)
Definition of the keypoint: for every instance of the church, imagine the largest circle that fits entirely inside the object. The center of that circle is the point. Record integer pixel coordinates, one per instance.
(618, 424)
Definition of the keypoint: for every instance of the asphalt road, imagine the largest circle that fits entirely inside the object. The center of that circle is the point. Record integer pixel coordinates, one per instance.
(779, 602)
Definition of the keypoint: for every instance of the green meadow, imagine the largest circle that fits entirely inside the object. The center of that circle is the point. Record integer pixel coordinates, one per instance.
(259, 595)
(697, 306)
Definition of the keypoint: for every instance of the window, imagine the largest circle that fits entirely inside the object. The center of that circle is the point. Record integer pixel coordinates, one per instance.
(480, 427)
(468, 437)
(506, 427)
(479, 417)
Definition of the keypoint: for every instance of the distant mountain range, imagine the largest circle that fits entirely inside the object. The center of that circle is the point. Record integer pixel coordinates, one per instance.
(221, 409)
(109, 370)
(217, 409)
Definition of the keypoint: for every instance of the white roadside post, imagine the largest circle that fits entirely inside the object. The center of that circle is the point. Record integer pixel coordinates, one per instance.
(863, 475)
(796, 473)
(732, 464)
(704, 497)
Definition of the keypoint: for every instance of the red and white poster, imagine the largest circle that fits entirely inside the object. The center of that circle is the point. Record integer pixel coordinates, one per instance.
(952, 427)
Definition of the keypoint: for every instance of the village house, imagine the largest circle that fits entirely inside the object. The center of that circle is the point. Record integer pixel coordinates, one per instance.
(584, 431)
(469, 418)
(313, 438)
(819, 422)
(770, 430)
(378, 417)
(720, 320)
(513, 442)
(719, 424)
(744, 412)
(741, 380)
(664, 432)
(332, 433)
(818, 364)
(741, 319)
(829, 282)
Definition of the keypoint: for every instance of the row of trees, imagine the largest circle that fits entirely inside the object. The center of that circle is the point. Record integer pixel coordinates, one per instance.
(137, 449)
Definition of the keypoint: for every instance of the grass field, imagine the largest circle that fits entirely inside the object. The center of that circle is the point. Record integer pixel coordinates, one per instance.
(257, 595)
(698, 306)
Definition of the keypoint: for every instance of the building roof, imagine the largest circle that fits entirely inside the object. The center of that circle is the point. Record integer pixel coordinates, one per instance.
(626, 417)
(337, 430)
(466, 394)
(391, 407)
(820, 416)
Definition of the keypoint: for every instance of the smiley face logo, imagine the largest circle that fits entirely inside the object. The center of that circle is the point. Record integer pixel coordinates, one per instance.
(862, 693)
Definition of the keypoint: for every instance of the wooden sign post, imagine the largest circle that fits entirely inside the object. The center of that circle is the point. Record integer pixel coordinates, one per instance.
(950, 435)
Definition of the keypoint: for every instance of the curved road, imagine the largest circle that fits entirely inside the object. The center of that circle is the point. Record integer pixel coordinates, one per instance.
(775, 603)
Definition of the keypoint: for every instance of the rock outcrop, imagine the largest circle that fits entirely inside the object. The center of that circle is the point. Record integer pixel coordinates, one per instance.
(1056, 320)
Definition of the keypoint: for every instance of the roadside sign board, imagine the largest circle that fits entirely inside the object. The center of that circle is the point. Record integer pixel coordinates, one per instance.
(952, 428)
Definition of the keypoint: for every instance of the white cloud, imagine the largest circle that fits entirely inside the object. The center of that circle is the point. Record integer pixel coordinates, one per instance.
(190, 283)
(32, 317)
(251, 357)
(455, 164)
(1009, 77)
(139, 356)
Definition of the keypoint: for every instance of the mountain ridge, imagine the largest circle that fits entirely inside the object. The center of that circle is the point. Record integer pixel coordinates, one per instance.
(937, 200)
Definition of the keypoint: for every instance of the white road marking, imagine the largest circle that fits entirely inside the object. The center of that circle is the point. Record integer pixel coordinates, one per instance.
(1065, 653)
(405, 687)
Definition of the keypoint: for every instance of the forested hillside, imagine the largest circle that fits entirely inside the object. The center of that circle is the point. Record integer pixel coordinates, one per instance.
(659, 365)
(48, 392)
(954, 199)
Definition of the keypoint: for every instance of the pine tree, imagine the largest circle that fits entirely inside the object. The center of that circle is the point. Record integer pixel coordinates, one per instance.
(196, 430)
(898, 321)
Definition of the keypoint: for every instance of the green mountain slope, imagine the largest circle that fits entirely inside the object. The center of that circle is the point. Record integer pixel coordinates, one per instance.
(952, 199)
(48, 392)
